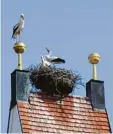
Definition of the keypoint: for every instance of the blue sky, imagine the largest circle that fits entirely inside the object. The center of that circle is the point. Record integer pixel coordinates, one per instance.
(72, 29)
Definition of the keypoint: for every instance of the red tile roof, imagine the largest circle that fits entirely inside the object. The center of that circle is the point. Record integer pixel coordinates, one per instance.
(44, 115)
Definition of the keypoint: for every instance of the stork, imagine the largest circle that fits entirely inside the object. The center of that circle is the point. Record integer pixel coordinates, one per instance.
(44, 62)
(18, 27)
(53, 59)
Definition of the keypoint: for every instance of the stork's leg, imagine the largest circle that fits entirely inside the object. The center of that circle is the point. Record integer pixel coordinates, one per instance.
(16, 39)
(19, 37)
(54, 65)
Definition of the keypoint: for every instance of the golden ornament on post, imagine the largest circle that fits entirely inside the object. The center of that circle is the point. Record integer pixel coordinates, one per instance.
(94, 59)
(19, 48)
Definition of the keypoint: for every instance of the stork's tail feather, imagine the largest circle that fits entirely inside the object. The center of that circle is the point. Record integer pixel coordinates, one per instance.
(13, 36)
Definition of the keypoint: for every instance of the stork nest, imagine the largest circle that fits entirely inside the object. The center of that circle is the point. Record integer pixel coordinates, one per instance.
(53, 80)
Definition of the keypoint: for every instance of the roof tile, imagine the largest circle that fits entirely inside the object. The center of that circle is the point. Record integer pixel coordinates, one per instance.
(26, 130)
(24, 117)
(103, 119)
(26, 126)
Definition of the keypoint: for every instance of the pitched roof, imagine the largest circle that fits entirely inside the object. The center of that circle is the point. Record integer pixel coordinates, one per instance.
(44, 115)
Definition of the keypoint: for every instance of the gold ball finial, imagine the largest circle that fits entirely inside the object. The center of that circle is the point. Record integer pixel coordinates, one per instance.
(94, 58)
(19, 47)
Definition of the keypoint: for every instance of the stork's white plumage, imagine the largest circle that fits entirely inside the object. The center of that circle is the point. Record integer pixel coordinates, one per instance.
(44, 62)
(18, 27)
(53, 59)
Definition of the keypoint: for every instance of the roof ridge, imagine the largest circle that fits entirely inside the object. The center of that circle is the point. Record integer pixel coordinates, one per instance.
(71, 96)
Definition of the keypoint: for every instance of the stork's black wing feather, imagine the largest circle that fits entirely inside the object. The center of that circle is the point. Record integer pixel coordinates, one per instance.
(58, 60)
(16, 26)
(14, 29)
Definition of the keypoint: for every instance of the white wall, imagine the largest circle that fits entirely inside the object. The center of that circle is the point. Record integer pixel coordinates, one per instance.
(14, 123)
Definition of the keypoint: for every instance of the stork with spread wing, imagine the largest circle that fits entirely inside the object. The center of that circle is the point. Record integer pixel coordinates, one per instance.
(53, 59)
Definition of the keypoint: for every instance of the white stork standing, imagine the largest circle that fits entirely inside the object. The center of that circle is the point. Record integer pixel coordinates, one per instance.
(18, 27)
(53, 59)
(44, 62)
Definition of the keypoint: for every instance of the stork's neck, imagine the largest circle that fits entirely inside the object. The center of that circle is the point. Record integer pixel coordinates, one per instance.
(21, 20)
(47, 57)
